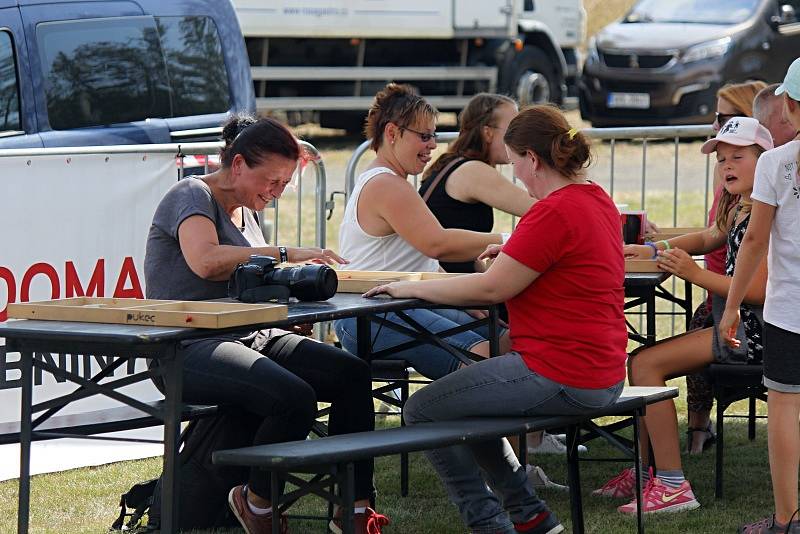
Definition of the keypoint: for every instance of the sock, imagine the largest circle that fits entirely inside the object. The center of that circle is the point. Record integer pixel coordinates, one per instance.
(673, 479)
(255, 509)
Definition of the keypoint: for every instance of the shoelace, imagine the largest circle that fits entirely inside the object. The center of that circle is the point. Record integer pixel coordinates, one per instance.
(617, 479)
(375, 521)
(760, 526)
(649, 490)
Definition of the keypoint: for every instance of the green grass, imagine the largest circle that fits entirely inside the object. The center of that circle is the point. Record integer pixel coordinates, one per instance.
(85, 500)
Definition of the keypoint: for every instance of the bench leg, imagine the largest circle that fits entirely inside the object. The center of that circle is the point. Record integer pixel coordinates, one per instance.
(573, 471)
(348, 492)
(637, 462)
(751, 418)
(25, 443)
(275, 495)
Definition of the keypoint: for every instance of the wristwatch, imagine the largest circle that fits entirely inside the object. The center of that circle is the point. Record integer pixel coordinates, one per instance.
(284, 256)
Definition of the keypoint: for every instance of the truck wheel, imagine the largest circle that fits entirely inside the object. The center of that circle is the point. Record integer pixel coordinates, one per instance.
(535, 80)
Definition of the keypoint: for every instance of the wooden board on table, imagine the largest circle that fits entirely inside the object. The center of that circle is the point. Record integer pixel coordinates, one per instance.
(361, 281)
(669, 233)
(193, 314)
(642, 266)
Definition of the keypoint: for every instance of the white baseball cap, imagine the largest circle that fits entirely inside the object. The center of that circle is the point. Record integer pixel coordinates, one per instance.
(740, 131)
(791, 83)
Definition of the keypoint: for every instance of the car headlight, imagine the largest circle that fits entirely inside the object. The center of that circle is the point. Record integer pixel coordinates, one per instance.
(592, 56)
(707, 50)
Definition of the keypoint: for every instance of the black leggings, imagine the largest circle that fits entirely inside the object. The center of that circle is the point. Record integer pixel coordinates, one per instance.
(282, 384)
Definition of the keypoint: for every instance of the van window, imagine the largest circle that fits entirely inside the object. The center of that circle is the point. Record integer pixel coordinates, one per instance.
(195, 65)
(9, 88)
(107, 71)
(102, 71)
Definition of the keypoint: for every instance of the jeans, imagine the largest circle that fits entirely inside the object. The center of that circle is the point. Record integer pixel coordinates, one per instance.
(429, 360)
(280, 380)
(500, 386)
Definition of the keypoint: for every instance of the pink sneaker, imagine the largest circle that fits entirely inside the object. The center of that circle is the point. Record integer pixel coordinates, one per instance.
(658, 497)
(621, 486)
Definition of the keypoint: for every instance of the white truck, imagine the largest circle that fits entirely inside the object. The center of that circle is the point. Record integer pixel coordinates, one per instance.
(332, 56)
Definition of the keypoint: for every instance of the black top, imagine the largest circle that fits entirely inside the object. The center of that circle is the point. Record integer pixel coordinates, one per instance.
(452, 213)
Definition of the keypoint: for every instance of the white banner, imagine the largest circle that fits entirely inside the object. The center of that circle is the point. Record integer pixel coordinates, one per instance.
(346, 18)
(72, 226)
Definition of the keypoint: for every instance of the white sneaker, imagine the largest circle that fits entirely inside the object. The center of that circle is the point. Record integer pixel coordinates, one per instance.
(539, 479)
(552, 445)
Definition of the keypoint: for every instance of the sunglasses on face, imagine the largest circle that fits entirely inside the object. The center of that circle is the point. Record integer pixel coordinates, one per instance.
(423, 136)
(722, 118)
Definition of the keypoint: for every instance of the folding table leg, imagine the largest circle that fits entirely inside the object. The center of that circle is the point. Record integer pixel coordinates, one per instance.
(25, 435)
(173, 383)
(573, 471)
(718, 490)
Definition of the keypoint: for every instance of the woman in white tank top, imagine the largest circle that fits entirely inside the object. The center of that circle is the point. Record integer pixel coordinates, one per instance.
(388, 227)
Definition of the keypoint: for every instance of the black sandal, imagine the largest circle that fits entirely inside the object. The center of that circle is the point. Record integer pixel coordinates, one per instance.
(711, 437)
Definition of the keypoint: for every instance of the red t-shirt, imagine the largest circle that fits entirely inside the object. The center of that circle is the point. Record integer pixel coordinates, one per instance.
(569, 324)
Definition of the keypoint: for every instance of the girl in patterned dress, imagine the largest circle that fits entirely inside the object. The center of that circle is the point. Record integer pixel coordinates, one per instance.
(738, 146)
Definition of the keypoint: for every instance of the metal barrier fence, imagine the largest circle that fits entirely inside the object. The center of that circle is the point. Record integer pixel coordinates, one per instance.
(270, 225)
(611, 137)
(605, 170)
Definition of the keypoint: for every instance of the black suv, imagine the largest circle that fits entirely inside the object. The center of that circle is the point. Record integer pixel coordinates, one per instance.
(665, 60)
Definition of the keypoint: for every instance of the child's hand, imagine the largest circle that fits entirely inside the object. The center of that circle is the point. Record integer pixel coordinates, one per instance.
(728, 325)
(679, 263)
(638, 252)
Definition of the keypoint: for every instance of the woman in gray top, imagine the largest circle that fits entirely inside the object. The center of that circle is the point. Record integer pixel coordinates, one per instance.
(202, 229)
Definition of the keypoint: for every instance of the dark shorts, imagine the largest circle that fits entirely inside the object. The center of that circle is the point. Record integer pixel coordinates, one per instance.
(781, 359)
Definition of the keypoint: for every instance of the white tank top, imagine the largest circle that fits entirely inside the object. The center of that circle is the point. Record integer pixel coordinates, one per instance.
(377, 253)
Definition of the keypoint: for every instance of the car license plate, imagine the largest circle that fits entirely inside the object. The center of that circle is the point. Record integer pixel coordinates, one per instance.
(629, 100)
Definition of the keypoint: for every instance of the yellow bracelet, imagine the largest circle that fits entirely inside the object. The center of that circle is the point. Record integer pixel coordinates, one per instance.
(666, 244)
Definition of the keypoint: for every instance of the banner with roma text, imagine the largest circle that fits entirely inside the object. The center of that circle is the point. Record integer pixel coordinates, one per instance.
(75, 225)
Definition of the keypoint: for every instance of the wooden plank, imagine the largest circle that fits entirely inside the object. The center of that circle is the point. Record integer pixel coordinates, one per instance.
(362, 281)
(192, 314)
(642, 266)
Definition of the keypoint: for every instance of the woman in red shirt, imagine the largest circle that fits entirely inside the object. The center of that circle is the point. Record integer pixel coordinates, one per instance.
(561, 274)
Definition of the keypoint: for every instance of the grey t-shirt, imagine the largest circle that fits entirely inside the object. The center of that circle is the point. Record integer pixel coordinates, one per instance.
(167, 275)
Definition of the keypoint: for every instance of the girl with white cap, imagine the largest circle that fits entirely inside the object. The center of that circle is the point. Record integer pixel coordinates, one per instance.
(738, 145)
(774, 227)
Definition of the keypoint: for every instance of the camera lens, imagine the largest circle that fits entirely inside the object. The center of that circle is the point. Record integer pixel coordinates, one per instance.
(307, 282)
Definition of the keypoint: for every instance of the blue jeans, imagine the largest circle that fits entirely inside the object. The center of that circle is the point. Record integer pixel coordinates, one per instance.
(501, 386)
(428, 360)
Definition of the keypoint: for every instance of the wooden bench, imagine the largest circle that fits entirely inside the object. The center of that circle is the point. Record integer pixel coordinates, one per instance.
(88, 424)
(331, 459)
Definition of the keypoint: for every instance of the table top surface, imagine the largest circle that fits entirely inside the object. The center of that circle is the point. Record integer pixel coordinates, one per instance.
(339, 306)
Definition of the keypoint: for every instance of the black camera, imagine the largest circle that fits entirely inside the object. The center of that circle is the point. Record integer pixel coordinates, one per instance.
(259, 280)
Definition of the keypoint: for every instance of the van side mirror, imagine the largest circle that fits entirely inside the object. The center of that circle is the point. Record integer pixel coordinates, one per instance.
(787, 16)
